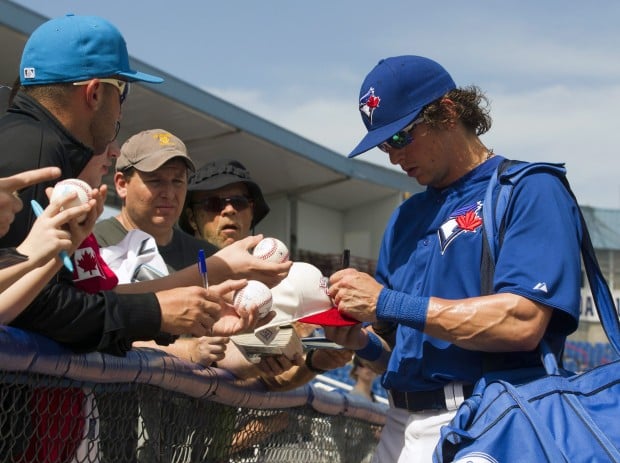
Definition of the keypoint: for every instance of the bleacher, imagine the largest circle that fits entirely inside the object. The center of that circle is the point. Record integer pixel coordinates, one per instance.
(581, 355)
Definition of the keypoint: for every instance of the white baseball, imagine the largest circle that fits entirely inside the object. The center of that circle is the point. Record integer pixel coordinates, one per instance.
(68, 186)
(254, 294)
(272, 250)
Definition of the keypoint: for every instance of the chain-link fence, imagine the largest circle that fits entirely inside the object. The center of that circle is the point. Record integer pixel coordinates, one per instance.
(149, 407)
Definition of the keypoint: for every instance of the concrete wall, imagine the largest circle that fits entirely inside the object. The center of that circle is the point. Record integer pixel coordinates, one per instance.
(329, 231)
(364, 226)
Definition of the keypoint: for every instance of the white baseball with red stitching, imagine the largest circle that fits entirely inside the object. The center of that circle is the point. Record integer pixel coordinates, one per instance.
(272, 250)
(70, 185)
(254, 294)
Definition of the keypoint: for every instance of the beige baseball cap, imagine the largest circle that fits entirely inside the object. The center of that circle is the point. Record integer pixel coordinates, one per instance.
(150, 149)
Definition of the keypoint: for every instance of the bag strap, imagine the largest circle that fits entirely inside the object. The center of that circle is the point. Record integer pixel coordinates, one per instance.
(498, 195)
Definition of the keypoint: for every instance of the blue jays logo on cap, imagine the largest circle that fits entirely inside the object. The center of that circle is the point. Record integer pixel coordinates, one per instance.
(406, 84)
(368, 103)
(464, 220)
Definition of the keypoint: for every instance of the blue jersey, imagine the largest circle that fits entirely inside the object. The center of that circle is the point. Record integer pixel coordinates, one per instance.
(432, 247)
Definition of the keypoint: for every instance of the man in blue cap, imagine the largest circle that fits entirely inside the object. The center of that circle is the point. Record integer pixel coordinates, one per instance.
(429, 326)
(74, 78)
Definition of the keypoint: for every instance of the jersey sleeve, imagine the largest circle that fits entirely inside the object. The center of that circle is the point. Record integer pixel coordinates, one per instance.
(540, 257)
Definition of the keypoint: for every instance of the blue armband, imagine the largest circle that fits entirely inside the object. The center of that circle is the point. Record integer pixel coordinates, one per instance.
(402, 308)
(373, 349)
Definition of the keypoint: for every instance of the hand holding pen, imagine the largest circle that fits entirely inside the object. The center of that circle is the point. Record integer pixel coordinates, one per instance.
(202, 266)
(66, 260)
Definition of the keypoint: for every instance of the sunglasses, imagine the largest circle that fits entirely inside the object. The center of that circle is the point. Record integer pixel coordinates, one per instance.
(217, 204)
(400, 139)
(121, 85)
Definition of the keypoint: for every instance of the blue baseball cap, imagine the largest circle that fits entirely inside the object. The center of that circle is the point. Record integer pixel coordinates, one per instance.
(75, 48)
(395, 92)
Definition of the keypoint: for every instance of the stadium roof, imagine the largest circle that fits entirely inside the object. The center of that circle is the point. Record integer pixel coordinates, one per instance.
(279, 160)
(604, 226)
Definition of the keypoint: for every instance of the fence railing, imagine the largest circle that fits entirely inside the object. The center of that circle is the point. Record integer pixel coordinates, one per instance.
(57, 406)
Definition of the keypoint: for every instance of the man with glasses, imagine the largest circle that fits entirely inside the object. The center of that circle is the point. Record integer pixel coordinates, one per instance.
(439, 332)
(223, 203)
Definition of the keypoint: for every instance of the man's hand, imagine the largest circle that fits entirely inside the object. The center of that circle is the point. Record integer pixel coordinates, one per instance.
(205, 350)
(236, 261)
(49, 234)
(272, 365)
(355, 294)
(352, 337)
(187, 311)
(330, 359)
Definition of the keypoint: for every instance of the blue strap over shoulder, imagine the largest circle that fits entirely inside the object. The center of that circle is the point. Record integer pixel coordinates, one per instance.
(496, 201)
(499, 192)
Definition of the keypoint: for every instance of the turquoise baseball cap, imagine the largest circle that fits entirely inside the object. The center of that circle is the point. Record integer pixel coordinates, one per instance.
(393, 94)
(74, 48)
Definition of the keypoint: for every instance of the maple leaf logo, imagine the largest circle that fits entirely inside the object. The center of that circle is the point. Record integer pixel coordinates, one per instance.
(88, 262)
(373, 102)
(468, 221)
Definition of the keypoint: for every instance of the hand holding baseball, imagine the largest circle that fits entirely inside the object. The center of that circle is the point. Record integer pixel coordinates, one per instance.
(77, 189)
(271, 250)
(236, 261)
(51, 232)
(233, 321)
(205, 312)
(255, 295)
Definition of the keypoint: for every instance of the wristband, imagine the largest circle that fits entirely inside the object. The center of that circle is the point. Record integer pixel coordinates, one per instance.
(401, 308)
(308, 362)
(372, 350)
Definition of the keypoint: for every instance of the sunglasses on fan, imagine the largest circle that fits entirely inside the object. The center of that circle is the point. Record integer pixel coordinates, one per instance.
(217, 204)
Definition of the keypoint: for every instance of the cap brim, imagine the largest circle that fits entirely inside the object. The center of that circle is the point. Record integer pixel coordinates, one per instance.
(136, 76)
(377, 136)
(330, 317)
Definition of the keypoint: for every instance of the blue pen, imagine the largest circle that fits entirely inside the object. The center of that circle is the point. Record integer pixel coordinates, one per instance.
(38, 210)
(202, 266)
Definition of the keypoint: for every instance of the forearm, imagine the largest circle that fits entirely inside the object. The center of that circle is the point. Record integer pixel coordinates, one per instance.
(497, 323)
(10, 275)
(189, 276)
(235, 363)
(86, 322)
(16, 297)
(290, 379)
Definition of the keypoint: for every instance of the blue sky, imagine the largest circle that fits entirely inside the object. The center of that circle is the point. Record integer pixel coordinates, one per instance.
(551, 69)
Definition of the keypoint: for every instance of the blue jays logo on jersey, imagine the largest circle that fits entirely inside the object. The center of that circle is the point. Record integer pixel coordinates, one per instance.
(368, 103)
(464, 220)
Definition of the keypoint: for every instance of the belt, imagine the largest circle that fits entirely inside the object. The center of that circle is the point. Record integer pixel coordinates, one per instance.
(450, 397)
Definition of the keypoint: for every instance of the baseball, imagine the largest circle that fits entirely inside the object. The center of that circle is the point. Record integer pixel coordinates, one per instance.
(68, 186)
(272, 250)
(255, 293)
